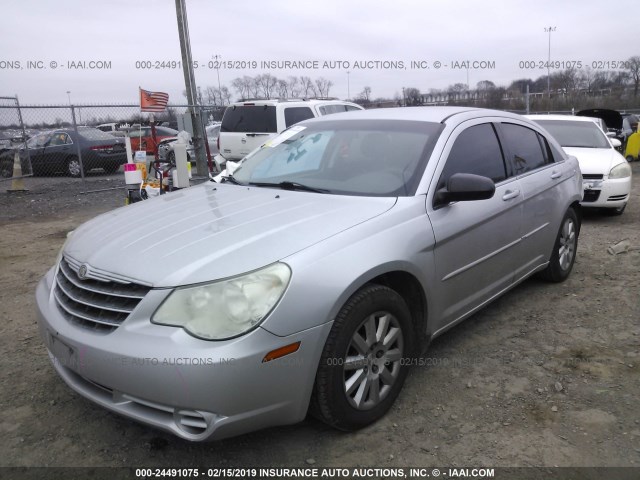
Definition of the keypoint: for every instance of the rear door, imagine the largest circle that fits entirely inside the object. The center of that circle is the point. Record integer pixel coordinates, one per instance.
(477, 242)
(246, 127)
(541, 179)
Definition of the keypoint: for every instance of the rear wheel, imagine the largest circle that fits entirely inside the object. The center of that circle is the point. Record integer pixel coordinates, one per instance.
(630, 158)
(363, 366)
(564, 249)
(73, 167)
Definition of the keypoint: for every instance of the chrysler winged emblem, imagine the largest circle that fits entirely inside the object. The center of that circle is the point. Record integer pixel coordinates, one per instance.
(82, 272)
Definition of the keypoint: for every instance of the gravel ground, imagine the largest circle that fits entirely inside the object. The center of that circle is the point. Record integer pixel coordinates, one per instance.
(547, 375)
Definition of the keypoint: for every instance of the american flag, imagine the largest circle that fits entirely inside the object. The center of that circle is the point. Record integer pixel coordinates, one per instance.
(153, 101)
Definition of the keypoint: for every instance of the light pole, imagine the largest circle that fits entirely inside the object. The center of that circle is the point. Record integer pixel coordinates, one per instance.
(404, 99)
(69, 95)
(348, 86)
(549, 30)
(216, 57)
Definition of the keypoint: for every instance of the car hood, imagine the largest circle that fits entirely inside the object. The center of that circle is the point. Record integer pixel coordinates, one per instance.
(612, 118)
(595, 160)
(213, 231)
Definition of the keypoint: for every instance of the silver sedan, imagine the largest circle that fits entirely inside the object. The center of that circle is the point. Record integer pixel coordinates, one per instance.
(310, 279)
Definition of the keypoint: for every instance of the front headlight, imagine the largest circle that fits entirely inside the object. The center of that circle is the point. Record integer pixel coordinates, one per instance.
(227, 308)
(622, 170)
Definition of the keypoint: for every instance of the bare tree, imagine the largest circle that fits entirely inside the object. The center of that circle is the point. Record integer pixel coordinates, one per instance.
(283, 89)
(586, 79)
(254, 87)
(225, 96)
(307, 88)
(323, 86)
(485, 85)
(211, 95)
(242, 86)
(634, 73)
(365, 94)
(412, 96)
(294, 87)
(266, 83)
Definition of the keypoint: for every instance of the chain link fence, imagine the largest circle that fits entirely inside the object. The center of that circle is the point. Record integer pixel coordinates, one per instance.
(40, 145)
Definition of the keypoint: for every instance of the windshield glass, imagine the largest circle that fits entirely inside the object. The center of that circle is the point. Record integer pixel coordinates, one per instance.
(576, 134)
(38, 140)
(373, 158)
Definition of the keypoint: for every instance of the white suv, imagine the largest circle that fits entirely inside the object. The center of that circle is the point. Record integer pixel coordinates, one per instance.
(247, 125)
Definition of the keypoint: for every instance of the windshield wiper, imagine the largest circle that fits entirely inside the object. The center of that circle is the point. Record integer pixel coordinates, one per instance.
(290, 186)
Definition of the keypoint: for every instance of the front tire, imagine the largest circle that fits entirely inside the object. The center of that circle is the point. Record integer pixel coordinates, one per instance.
(564, 249)
(363, 367)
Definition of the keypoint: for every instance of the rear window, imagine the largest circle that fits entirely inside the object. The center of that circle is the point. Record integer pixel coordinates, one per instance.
(94, 134)
(250, 118)
(293, 115)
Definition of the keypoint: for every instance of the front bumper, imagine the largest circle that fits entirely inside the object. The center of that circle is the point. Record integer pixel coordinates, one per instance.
(163, 377)
(607, 193)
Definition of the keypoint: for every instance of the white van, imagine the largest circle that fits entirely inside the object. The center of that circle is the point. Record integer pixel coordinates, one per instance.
(247, 125)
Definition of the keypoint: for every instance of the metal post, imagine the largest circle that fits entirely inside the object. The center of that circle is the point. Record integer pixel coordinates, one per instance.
(527, 98)
(24, 135)
(190, 84)
(75, 129)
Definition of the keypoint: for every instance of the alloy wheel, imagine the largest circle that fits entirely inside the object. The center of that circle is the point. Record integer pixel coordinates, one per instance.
(373, 360)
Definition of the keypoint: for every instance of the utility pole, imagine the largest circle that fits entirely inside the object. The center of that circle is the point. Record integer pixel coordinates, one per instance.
(549, 29)
(216, 57)
(190, 85)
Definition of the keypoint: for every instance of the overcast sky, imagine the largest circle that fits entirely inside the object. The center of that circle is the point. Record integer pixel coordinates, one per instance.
(123, 32)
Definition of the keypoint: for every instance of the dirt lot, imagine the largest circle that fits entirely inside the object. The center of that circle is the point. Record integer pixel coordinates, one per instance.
(547, 375)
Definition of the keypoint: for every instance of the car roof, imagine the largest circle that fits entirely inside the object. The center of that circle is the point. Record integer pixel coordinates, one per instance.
(305, 101)
(571, 118)
(420, 114)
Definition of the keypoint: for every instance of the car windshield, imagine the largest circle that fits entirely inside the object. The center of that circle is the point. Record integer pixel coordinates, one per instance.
(38, 140)
(571, 133)
(94, 134)
(372, 158)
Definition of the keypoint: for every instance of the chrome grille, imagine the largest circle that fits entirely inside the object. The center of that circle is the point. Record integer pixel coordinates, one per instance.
(96, 303)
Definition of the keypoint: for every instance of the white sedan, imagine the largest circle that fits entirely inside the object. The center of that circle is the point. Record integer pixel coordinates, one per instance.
(606, 174)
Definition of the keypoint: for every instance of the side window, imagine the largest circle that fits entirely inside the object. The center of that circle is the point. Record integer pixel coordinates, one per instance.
(524, 146)
(293, 115)
(477, 151)
(351, 107)
(59, 138)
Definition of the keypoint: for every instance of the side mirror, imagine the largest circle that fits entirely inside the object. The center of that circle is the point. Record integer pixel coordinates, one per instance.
(611, 134)
(464, 187)
(615, 143)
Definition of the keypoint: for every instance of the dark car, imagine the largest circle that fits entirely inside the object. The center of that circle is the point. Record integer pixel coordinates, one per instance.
(56, 152)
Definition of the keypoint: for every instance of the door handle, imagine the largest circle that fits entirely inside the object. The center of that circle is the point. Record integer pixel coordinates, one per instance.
(555, 175)
(508, 195)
